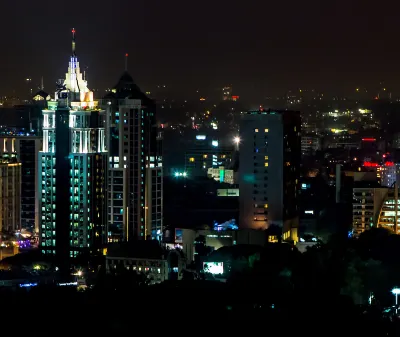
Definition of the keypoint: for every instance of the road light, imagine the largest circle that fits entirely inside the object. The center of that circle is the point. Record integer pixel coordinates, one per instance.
(236, 140)
(396, 292)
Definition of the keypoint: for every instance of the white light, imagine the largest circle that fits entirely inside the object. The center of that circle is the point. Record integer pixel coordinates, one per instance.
(215, 268)
(176, 174)
(396, 291)
(201, 137)
(184, 174)
(214, 143)
(236, 140)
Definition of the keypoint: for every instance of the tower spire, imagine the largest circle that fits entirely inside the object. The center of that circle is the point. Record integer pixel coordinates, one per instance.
(126, 62)
(41, 84)
(73, 42)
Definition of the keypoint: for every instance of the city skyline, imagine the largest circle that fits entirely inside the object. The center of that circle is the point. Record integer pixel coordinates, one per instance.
(214, 44)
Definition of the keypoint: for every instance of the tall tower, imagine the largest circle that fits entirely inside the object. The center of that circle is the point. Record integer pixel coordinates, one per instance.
(135, 189)
(269, 170)
(73, 168)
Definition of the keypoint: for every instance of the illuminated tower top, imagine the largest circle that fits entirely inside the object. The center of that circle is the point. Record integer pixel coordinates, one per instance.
(73, 42)
(74, 80)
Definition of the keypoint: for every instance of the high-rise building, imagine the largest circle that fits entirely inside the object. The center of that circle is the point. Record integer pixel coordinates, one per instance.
(135, 186)
(26, 149)
(269, 170)
(10, 193)
(73, 168)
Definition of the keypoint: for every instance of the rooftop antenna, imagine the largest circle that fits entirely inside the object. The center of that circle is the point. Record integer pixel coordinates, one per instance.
(41, 84)
(126, 62)
(73, 42)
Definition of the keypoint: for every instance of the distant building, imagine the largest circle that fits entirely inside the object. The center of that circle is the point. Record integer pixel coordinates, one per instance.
(205, 153)
(269, 170)
(26, 149)
(10, 193)
(310, 145)
(146, 257)
(389, 174)
(368, 199)
(188, 239)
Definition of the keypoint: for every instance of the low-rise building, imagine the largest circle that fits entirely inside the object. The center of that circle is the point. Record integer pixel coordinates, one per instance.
(146, 257)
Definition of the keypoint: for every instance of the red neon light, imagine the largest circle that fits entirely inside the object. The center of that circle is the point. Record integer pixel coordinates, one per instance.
(370, 164)
(368, 139)
(73, 30)
(389, 163)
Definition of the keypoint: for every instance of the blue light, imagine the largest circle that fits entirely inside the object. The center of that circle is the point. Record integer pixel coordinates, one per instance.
(28, 285)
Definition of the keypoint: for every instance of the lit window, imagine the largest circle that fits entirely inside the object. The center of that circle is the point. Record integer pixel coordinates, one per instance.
(266, 130)
(266, 206)
(266, 157)
(255, 130)
(266, 164)
(204, 156)
(191, 159)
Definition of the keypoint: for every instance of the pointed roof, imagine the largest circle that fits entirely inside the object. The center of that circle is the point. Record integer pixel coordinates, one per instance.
(41, 93)
(127, 88)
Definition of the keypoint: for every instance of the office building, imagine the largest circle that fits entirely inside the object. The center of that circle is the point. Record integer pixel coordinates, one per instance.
(10, 193)
(269, 170)
(135, 186)
(368, 199)
(73, 168)
(26, 149)
(206, 152)
(310, 145)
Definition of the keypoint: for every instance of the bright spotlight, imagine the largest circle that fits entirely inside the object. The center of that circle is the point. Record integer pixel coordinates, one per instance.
(236, 140)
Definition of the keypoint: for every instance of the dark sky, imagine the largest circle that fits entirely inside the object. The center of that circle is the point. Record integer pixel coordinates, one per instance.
(260, 47)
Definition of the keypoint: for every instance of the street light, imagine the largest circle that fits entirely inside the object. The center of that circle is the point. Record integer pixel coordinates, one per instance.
(236, 140)
(396, 292)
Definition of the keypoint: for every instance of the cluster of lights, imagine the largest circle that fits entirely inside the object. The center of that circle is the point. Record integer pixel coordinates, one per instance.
(180, 174)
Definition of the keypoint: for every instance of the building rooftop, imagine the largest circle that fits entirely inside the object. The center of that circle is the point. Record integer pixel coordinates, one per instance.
(127, 88)
(146, 249)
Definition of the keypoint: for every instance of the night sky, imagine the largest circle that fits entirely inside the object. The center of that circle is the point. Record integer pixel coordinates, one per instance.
(261, 47)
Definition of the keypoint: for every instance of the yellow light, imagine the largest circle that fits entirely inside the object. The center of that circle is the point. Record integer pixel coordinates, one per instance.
(266, 130)
(266, 206)
(266, 164)
(255, 130)
(266, 157)
(191, 159)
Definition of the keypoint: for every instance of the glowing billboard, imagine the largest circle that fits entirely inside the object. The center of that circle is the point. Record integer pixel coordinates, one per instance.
(215, 268)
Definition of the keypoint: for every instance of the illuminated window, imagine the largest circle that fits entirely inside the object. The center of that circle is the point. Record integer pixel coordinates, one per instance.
(204, 156)
(191, 159)
(288, 163)
(255, 130)
(266, 206)
(266, 164)
(223, 156)
(266, 130)
(266, 157)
